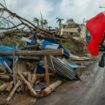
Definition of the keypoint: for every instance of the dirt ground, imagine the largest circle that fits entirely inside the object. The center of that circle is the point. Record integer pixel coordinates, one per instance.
(90, 90)
(87, 91)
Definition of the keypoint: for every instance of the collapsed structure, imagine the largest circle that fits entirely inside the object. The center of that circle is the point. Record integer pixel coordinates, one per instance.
(28, 67)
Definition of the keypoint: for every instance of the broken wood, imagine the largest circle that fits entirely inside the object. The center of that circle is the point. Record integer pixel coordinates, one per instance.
(13, 91)
(28, 84)
(33, 53)
(33, 79)
(4, 86)
(37, 75)
(9, 87)
(31, 46)
(24, 22)
(51, 88)
(2, 69)
(29, 77)
(5, 77)
(46, 71)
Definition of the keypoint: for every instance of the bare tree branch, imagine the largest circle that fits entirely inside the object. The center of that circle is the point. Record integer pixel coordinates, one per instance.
(2, 28)
(27, 23)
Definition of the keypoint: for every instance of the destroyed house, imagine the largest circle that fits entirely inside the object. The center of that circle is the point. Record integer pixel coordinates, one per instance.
(70, 29)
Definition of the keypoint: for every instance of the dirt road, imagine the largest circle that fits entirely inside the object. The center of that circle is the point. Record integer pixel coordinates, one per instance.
(89, 91)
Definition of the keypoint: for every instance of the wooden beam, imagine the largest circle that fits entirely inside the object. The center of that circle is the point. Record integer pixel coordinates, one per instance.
(32, 53)
(46, 70)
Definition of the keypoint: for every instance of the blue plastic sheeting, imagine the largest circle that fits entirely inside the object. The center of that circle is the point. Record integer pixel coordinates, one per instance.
(72, 65)
(40, 69)
(6, 59)
(34, 39)
(52, 40)
(48, 45)
(2, 60)
(7, 48)
(66, 53)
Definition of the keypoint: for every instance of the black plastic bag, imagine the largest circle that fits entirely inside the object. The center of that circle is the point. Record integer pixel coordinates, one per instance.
(102, 62)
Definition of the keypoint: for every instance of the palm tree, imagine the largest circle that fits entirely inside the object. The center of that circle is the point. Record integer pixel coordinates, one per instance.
(49, 28)
(36, 20)
(59, 21)
(45, 23)
(56, 28)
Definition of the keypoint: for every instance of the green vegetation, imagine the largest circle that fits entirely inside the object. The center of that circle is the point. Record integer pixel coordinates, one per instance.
(69, 44)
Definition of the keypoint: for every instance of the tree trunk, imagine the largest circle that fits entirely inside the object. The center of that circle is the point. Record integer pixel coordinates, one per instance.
(33, 53)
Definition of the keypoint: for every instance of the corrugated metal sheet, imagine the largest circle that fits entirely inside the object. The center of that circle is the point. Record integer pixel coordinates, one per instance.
(61, 68)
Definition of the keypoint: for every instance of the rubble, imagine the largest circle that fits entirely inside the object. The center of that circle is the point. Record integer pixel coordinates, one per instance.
(26, 67)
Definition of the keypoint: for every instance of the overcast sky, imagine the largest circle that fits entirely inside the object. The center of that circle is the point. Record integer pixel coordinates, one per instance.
(50, 9)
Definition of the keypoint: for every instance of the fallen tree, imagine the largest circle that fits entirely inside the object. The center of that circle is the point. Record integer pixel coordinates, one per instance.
(23, 23)
(32, 53)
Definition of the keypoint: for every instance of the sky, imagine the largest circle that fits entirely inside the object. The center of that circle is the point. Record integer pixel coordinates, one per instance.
(51, 9)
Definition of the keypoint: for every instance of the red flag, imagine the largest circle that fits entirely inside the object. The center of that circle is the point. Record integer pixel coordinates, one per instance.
(96, 27)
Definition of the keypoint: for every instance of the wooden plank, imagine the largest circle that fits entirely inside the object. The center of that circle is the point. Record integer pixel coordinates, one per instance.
(46, 70)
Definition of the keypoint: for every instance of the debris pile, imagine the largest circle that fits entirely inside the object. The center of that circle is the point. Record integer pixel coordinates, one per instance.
(23, 69)
(70, 29)
(27, 67)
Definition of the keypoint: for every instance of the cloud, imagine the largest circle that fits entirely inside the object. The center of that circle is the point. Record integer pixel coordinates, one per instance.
(50, 9)
(30, 8)
(79, 9)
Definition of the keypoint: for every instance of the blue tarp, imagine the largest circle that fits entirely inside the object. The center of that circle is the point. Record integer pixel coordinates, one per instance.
(46, 44)
(49, 43)
(2, 59)
(8, 60)
(72, 65)
(7, 48)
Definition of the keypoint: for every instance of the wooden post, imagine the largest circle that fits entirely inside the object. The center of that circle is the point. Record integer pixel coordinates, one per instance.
(46, 70)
